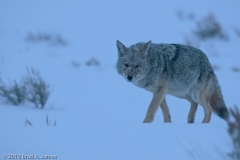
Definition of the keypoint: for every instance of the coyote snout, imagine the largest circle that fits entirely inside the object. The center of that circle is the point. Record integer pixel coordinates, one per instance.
(130, 73)
(129, 78)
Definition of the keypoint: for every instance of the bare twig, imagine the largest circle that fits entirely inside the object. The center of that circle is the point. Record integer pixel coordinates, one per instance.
(47, 121)
(27, 122)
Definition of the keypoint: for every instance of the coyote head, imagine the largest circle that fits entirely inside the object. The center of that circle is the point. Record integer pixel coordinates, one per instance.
(132, 62)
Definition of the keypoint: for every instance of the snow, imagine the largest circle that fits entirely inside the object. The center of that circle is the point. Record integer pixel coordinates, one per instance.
(98, 114)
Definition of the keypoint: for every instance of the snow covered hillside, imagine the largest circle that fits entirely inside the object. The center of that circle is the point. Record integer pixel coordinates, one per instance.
(97, 114)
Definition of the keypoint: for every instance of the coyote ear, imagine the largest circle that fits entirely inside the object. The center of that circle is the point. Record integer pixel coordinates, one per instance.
(121, 48)
(144, 49)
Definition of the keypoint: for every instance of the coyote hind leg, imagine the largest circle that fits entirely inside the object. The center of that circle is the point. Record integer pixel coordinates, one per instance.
(205, 103)
(191, 114)
(165, 111)
(204, 100)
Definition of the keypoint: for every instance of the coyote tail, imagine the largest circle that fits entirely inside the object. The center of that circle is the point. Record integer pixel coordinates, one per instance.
(217, 103)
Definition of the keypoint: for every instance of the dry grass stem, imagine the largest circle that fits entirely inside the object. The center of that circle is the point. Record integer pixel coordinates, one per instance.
(27, 122)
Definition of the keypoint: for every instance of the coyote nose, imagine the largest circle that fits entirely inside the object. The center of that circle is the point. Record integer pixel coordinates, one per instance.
(129, 78)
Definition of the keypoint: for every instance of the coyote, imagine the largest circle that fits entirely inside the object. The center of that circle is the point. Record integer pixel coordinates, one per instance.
(179, 70)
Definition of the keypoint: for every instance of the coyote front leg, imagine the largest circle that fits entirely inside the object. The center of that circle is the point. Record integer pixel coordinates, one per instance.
(165, 111)
(157, 99)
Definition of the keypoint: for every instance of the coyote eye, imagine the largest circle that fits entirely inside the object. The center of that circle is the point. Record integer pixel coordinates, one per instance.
(136, 66)
(126, 65)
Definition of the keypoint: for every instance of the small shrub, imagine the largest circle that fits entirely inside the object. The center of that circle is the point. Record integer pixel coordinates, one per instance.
(38, 91)
(237, 31)
(235, 69)
(185, 16)
(76, 64)
(208, 28)
(15, 94)
(234, 132)
(93, 62)
(33, 88)
(54, 40)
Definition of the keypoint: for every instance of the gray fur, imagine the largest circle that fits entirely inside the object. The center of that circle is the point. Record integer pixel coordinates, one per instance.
(185, 70)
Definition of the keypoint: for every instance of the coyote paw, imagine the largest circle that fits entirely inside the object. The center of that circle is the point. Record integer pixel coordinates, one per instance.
(147, 120)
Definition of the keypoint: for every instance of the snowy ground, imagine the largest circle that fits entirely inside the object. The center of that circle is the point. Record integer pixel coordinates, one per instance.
(98, 114)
